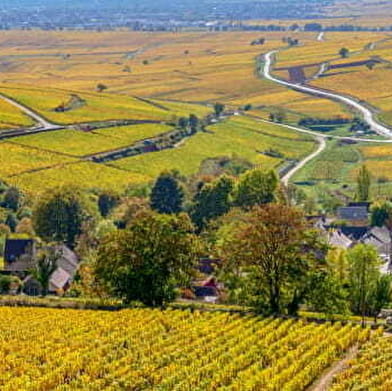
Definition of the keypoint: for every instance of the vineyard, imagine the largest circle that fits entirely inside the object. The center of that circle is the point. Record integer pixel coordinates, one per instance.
(370, 369)
(142, 349)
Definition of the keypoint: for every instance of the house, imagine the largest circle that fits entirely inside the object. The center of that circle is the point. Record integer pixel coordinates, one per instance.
(336, 238)
(67, 266)
(380, 238)
(18, 255)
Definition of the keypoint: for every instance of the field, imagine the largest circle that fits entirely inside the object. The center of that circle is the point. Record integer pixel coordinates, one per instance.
(79, 143)
(56, 158)
(159, 77)
(47, 349)
(337, 167)
(369, 370)
(240, 136)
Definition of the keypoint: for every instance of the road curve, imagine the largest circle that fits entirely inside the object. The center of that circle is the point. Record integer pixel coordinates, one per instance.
(368, 115)
(42, 123)
(322, 144)
(321, 139)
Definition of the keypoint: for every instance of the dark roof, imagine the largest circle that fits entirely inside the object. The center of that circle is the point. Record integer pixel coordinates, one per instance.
(203, 291)
(353, 213)
(15, 248)
(355, 233)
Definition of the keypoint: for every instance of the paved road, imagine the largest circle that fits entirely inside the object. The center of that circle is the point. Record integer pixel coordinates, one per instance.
(322, 144)
(42, 123)
(321, 139)
(368, 115)
(320, 37)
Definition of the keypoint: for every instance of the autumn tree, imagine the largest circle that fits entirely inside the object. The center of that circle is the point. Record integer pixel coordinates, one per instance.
(148, 260)
(167, 195)
(276, 250)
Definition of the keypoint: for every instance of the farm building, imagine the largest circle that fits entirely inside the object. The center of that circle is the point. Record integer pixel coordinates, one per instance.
(20, 256)
(67, 266)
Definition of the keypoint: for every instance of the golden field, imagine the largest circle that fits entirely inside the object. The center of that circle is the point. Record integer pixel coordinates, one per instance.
(143, 349)
(161, 77)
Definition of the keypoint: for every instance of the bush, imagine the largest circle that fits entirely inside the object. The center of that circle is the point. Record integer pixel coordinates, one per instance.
(9, 284)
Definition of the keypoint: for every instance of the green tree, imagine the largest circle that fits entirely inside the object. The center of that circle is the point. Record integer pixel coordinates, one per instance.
(364, 272)
(327, 294)
(167, 195)
(101, 87)
(212, 201)
(148, 260)
(218, 109)
(107, 201)
(12, 198)
(381, 295)
(193, 122)
(45, 266)
(344, 52)
(183, 122)
(363, 184)
(255, 187)
(59, 215)
(12, 221)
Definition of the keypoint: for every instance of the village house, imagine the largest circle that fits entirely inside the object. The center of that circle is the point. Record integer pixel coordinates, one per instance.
(19, 259)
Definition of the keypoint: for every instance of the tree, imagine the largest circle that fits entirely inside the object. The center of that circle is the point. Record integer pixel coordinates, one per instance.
(107, 201)
(275, 249)
(58, 216)
(255, 187)
(278, 116)
(25, 226)
(193, 122)
(363, 184)
(148, 260)
(183, 122)
(370, 65)
(344, 52)
(12, 221)
(381, 295)
(101, 87)
(218, 109)
(212, 201)
(167, 194)
(12, 198)
(327, 294)
(364, 264)
(45, 266)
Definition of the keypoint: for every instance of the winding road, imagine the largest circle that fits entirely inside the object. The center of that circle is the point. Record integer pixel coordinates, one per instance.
(322, 144)
(367, 114)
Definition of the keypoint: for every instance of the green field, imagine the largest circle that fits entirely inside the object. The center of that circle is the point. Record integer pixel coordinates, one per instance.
(80, 143)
